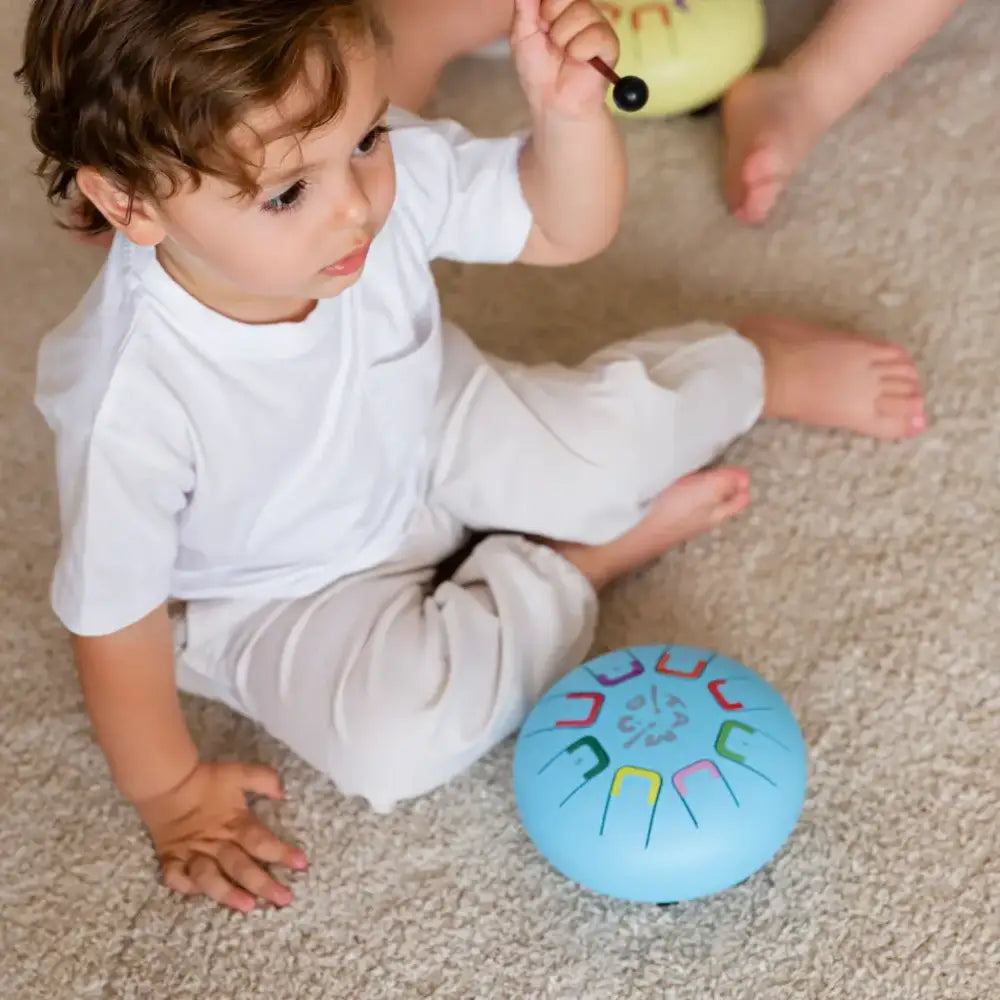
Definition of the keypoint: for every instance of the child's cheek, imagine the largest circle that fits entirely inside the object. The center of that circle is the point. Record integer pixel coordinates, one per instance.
(388, 192)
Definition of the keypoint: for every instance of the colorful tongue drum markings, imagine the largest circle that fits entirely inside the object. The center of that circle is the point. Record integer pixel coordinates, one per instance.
(679, 780)
(613, 12)
(636, 669)
(655, 784)
(662, 667)
(596, 700)
(601, 760)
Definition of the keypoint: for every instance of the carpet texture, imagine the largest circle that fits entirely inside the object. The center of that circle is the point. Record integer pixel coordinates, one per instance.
(864, 582)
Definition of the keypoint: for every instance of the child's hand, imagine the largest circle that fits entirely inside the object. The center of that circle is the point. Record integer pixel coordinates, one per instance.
(552, 41)
(209, 843)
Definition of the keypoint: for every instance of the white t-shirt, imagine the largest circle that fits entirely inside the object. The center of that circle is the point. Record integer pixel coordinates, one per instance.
(198, 457)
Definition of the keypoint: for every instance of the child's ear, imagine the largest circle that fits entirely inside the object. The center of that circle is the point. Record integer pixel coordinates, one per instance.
(129, 214)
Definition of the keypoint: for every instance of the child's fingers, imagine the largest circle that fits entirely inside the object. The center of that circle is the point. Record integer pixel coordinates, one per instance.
(526, 19)
(551, 11)
(582, 31)
(258, 778)
(249, 875)
(595, 40)
(176, 878)
(260, 843)
(210, 881)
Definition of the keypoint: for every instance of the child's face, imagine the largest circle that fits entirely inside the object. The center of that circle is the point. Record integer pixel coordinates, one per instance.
(323, 197)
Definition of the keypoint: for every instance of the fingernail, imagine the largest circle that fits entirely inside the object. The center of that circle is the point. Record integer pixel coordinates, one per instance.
(300, 862)
(919, 422)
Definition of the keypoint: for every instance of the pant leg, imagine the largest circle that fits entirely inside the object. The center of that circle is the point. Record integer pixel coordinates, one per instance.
(389, 685)
(577, 453)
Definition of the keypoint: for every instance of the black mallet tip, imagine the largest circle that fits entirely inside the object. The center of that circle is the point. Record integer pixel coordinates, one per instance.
(630, 93)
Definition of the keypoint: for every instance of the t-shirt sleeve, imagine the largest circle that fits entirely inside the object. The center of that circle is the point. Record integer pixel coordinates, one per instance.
(463, 192)
(122, 492)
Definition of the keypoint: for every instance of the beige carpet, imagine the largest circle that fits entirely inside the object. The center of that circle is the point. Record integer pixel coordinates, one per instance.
(865, 583)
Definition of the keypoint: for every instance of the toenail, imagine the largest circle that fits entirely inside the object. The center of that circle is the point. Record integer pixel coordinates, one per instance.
(919, 422)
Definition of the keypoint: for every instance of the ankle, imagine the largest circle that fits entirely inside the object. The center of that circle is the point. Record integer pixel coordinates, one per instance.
(761, 332)
(590, 561)
(819, 95)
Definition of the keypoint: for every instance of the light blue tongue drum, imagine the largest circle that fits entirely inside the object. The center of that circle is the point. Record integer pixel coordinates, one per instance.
(680, 56)
(660, 774)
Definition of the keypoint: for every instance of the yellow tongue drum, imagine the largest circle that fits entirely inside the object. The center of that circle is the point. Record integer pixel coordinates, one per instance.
(687, 51)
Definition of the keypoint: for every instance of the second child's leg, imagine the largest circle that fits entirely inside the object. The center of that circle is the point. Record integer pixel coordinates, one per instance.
(429, 34)
(774, 117)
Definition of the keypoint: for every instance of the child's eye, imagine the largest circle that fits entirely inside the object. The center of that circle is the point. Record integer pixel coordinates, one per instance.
(288, 198)
(372, 140)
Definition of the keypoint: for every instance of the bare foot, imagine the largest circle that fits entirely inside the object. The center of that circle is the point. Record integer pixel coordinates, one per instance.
(769, 128)
(833, 378)
(692, 506)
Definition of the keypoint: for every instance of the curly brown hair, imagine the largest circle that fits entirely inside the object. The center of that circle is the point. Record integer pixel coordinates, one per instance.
(146, 91)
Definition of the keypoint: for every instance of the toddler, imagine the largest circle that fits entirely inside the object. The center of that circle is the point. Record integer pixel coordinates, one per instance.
(268, 440)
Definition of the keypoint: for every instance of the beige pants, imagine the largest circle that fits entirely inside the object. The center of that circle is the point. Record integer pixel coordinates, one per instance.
(391, 684)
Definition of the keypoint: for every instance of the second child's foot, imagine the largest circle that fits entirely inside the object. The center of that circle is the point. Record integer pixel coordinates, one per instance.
(834, 378)
(692, 506)
(769, 129)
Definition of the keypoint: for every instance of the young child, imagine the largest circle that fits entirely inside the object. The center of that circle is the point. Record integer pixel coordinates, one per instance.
(267, 439)
(774, 117)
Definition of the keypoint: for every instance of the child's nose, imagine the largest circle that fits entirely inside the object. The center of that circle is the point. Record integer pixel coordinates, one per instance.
(353, 208)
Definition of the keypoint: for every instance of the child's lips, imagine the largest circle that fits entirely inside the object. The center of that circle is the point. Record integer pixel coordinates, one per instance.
(350, 264)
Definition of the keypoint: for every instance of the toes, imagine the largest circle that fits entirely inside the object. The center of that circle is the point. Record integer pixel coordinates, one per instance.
(900, 416)
(734, 190)
(723, 479)
(753, 177)
(890, 355)
(731, 506)
(749, 166)
(759, 201)
(759, 167)
(900, 400)
(900, 384)
(732, 492)
(728, 480)
(760, 183)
